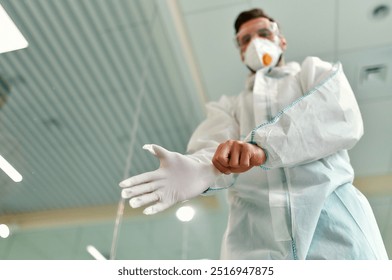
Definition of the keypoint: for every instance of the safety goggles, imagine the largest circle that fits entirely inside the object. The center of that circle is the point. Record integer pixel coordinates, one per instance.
(245, 36)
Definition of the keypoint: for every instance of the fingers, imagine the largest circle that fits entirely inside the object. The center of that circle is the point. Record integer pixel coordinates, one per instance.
(141, 179)
(147, 199)
(158, 207)
(235, 154)
(245, 159)
(149, 147)
(140, 189)
(231, 157)
(237, 157)
(144, 200)
(156, 150)
(143, 189)
(221, 158)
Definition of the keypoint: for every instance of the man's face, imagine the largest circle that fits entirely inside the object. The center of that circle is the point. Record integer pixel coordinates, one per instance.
(258, 27)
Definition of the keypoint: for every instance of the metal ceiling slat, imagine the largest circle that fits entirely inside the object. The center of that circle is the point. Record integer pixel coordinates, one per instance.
(148, 111)
(170, 105)
(91, 140)
(119, 52)
(73, 108)
(96, 130)
(33, 72)
(151, 114)
(188, 84)
(60, 139)
(38, 148)
(175, 101)
(127, 59)
(157, 92)
(43, 188)
(114, 57)
(24, 119)
(158, 70)
(161, 103)
(27, 103)
(139, 52)
(75, 73)
(33, 193)
(104, 64)
(77, 133)
(126, 127)
(137, 165)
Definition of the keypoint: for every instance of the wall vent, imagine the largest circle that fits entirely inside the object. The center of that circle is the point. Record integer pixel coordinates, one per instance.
(373, 74)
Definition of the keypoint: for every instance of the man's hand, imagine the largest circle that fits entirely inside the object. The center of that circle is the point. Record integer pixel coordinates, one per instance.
(236, 157)
(178, 178)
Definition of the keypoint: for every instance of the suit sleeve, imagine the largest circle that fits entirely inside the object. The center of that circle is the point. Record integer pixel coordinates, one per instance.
(324, 120)
(219, 126)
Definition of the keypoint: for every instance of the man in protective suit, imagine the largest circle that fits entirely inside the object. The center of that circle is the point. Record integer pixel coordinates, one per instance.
(280, 149)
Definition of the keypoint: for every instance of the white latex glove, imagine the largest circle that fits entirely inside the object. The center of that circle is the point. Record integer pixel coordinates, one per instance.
(178, 178)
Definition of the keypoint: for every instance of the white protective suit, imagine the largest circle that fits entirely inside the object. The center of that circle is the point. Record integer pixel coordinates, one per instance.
(301, 203)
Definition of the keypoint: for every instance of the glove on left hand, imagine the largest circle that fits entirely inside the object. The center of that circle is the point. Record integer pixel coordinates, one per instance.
(178, 178)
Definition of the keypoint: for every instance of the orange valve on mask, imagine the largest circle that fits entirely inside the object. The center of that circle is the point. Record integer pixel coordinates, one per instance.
(267, 59)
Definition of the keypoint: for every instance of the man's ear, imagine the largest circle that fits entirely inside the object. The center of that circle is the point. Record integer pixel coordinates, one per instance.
(242, 56)
(283, 43)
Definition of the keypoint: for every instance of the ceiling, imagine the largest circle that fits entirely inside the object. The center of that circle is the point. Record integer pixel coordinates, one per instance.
(101, 78)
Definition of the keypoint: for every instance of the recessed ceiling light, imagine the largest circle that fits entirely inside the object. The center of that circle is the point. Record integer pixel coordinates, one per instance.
(185, 213)
(4, 231)
(381, 11)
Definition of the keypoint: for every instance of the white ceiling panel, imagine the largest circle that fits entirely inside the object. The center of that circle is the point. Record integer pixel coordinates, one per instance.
(382, 208)
(372, 154)
(191, 6)
(387, 233)
(358, 29)
(388, 242)
(309, 25)
(369, 72)
(33, 245)
(212, 35)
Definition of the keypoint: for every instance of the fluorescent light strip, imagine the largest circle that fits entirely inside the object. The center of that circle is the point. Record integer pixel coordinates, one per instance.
(10, 170)
(10, 36)
(95, 253)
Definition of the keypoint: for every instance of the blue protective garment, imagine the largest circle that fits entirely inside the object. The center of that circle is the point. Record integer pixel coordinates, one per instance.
(301, 203)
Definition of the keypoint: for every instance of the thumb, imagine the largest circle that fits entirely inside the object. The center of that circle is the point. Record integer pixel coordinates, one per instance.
(156, 150)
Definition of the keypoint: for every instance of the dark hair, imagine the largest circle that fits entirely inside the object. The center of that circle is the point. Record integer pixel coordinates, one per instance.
(249, 15)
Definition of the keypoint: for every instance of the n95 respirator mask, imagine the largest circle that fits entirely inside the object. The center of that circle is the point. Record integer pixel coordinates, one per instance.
(262, 54)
